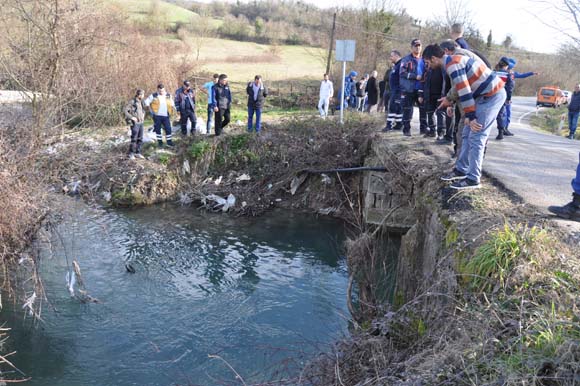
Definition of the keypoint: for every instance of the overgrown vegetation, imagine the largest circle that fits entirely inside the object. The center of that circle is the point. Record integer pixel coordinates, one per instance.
(550, 120)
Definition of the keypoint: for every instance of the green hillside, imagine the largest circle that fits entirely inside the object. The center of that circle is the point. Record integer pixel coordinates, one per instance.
(168, 13)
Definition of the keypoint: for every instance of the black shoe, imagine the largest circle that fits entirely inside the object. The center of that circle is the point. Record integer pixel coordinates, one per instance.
(170, 144)
(499, 136)
(398, 127)
(570, 211)
(160, 144)
(385, 129)
(406, 133)
(453, 176)
(570, 136)
(507, 133)
(465, 184)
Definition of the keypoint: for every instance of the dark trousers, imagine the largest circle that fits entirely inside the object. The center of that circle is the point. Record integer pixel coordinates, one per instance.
(435, 119)
(409, 100)
(136, 138)
(185, 116)
(222, 118)
(395, 112)
(166, 123)
(500, 120)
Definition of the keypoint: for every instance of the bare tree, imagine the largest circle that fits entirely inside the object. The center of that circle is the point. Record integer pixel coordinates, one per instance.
(562, 16)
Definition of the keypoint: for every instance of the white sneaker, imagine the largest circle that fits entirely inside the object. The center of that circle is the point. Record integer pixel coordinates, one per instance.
(139, 155)
(131, 156)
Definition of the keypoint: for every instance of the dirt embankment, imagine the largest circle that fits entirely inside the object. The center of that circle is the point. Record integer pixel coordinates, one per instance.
(479, 290)
(256, 172)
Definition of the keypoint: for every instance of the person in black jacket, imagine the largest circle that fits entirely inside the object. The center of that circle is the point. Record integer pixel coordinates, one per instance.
(222, 100)
(257, 93)
(429, 95)
(372, 91)
(185, 105)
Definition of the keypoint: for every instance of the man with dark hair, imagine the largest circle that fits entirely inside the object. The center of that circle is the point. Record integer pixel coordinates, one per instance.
(134, 116)
(161, 108)
(430, 93)
(573, 113)
(394, 110)
(208, 90)
(372, 91)
(257, 94)
(185, 105)
(411, 76)
(481, 95)
(222, 100)
(325, 95)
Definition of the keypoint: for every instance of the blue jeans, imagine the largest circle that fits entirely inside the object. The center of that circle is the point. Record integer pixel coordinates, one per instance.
(258, 112)
(209, 118)
(470, 159)
(573, 121)
(576, 181)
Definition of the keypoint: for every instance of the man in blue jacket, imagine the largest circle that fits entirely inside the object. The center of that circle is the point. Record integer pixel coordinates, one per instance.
(501, 70)
(573, 112)
(410, 77)
(515, 75)
(394, 110)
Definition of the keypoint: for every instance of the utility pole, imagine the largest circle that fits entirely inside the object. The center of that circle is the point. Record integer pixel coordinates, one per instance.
(331, 44)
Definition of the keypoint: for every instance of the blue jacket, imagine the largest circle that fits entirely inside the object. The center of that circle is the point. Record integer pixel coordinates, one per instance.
(462, 43)
(519, 75)
(574, 105)
(411, 67)
(394, 81)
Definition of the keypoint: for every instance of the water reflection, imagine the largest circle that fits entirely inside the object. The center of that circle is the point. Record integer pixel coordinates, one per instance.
(261, 293)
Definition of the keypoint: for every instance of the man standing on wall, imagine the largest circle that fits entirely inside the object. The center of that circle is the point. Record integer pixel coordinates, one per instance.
(222, 100)
(208, 89)
(326, 93)
(372, 91)
(394, 109)
(411, 76)
(481, 95)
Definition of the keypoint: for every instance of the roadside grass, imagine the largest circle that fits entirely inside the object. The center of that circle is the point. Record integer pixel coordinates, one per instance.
(548, 120)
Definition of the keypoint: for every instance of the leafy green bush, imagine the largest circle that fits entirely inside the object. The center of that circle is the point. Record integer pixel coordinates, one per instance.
(198, 149)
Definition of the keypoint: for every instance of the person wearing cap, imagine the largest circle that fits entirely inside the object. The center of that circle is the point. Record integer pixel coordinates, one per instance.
(185, 105)
(134, 116)
(481, 95)
(394, 109)
(222, 100)
(514, 75)
(411, 76)
(257, 94)
(570, 211)
(501, 70)
(574, 112)
(208, 90)
(325, 95)
(161, 108)
(349, 90)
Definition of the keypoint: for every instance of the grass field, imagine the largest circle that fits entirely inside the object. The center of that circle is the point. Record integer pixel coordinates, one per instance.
(242, 60)
(169, 13)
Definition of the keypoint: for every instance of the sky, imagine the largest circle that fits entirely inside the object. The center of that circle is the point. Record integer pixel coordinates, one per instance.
(503, 17)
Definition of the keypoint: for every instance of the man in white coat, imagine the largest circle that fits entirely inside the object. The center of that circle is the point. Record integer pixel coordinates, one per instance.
(326, 92)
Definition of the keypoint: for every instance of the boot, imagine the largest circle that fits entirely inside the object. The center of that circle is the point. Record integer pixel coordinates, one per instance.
(500, 133)
(570, 211)
(507, 133)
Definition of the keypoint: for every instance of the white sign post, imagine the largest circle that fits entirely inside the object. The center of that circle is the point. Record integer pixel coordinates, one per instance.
(345, 51)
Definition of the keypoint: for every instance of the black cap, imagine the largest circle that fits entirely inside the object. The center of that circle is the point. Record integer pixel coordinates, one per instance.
(186, 83)
(415, 42)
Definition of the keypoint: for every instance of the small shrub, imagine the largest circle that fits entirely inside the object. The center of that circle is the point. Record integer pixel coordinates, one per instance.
(198, 149)
(164, 158)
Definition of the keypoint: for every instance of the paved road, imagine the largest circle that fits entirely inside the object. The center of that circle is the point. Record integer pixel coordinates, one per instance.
(536, 166)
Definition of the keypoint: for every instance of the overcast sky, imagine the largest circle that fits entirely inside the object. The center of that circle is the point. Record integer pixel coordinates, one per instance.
(514, 17)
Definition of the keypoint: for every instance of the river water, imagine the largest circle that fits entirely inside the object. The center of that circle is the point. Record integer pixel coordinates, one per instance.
(265, 294)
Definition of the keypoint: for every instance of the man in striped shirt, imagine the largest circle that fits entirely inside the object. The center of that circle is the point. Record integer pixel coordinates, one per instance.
(481, 95)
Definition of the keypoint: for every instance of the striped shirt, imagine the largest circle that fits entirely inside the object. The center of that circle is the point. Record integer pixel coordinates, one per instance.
(472, 79)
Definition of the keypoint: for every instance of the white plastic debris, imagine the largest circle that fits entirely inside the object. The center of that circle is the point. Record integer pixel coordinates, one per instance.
(278, 200)
(297, 182)
(244, 204)
(243, 177)
(218, 180)
(106, 196)
(70, 282)
(230, 202)
(270, 186)
(29, 303)
(326, 179)
(186, 168)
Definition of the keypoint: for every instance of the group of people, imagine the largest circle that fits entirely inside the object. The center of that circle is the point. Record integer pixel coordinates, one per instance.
(163, 108)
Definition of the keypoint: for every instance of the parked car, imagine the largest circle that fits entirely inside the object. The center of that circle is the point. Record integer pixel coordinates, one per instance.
(550, 96)
(567, 95)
